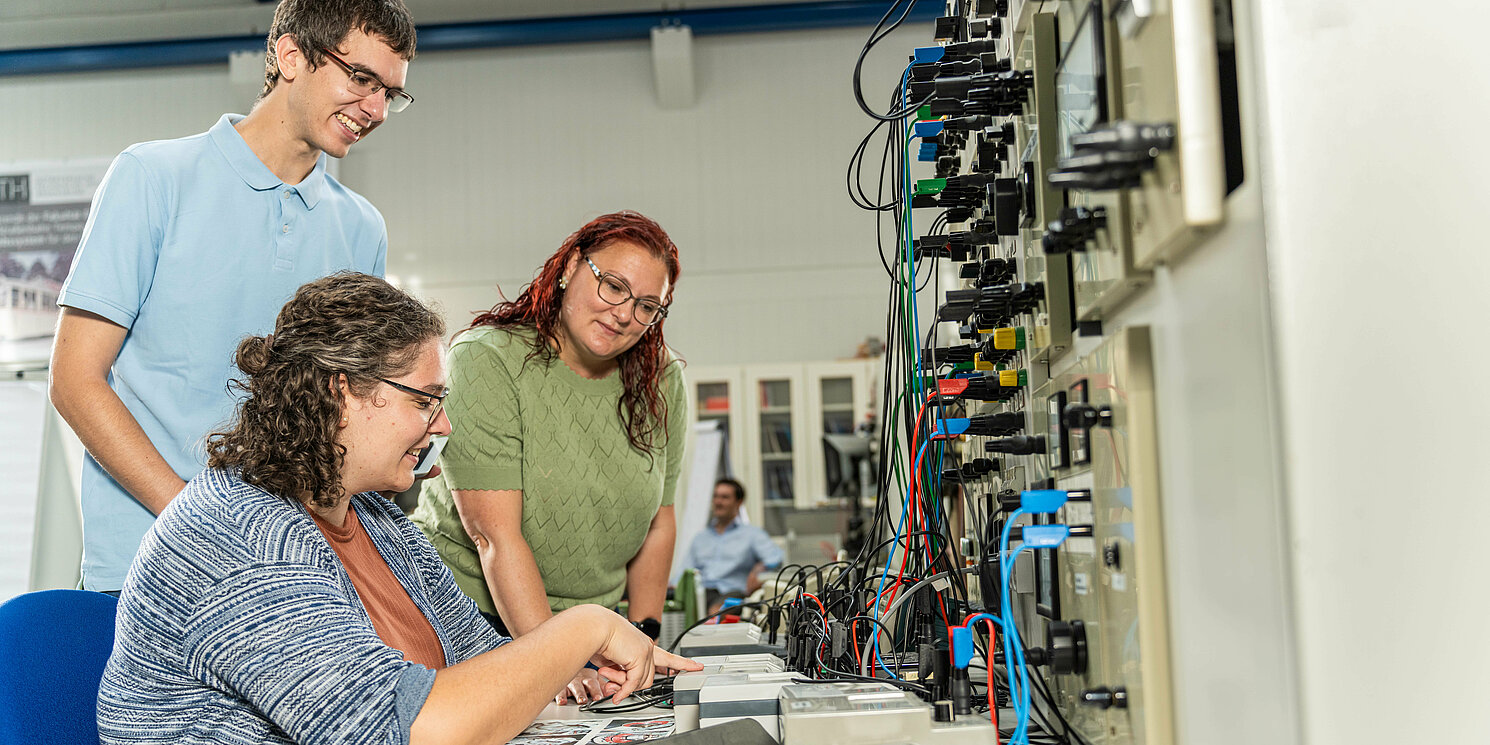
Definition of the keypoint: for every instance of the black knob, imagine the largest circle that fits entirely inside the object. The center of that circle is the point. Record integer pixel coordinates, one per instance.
(1111, 556)
(1086, 416)
(1106, 697)
(1066, 642)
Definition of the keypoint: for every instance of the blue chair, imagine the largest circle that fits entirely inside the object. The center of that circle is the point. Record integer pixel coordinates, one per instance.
(53, 647)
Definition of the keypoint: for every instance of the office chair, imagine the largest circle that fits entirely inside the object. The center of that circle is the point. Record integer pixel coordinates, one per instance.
(53, 647)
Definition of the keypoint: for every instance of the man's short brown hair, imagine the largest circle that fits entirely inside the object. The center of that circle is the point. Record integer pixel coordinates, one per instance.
(319, 25)
(737, 486)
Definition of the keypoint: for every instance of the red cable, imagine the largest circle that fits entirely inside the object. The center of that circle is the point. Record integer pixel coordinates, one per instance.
(916, 504)
(819, 603)
(993, 712)
(853, 631)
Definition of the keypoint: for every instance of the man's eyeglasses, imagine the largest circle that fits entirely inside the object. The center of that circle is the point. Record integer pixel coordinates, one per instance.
(363, 83)
(435, 402)
(614, 290)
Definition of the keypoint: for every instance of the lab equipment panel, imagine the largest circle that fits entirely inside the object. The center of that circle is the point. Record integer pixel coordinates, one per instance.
(1110, 578)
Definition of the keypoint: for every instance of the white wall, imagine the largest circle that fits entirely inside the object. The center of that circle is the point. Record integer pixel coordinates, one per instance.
(507, 151)
(1375, 198)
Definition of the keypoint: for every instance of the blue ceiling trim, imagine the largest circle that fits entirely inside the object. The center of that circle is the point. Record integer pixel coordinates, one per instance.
(475, 35)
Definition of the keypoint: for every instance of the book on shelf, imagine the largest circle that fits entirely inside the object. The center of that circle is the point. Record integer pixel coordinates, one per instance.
(783, 435)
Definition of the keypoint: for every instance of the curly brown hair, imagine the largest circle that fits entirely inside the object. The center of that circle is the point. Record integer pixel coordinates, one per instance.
(641, 408)
(321, 25)
(283, 436)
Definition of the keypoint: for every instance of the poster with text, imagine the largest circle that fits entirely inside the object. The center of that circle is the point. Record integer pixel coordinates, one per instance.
(43, 208)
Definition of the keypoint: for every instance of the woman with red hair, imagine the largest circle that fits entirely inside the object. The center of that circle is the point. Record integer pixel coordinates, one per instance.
(568, 416)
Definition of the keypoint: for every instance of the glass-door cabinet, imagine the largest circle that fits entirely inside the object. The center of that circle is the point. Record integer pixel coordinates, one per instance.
(840, 399)
(773, 433)
(716, 394)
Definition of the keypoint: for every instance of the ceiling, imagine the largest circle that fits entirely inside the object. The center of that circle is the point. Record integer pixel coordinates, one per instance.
(28, 24)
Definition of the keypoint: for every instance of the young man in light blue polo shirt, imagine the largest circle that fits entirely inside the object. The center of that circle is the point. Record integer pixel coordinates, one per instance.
(194, 243)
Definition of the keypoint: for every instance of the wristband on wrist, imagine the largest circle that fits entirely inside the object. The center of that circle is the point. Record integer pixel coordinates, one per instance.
(649, 626)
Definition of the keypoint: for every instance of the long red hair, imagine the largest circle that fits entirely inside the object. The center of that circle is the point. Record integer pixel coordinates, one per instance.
(642, 409)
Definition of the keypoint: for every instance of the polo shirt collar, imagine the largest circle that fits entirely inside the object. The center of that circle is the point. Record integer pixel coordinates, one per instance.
(253, 171)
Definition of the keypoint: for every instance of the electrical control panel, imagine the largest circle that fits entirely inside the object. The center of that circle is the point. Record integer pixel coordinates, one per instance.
(1039, 160)
(1167, 67)
(1107, 579)
(1093, 227)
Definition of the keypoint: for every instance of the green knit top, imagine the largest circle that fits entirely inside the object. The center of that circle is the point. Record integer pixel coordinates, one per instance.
(588, 496)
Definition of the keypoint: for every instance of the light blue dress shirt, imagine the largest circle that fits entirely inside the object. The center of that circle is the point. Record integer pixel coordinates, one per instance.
(724, 560)
(193, 244)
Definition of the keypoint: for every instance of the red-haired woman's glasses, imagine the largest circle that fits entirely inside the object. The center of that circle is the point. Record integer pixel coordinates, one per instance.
(614, 290)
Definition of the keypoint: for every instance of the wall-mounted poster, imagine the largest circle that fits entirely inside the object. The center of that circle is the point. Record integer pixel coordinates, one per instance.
(43, 208)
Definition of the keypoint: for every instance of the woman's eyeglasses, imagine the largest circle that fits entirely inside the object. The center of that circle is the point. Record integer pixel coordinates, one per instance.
(614, 290)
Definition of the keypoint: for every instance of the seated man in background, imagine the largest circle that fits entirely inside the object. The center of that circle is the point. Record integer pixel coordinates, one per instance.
(730, 554)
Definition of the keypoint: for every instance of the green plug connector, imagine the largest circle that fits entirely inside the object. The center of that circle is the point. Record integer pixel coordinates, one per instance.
(930, 186)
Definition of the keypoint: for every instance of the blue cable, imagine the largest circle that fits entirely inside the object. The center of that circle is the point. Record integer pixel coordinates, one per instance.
(1013, 647)
(905, 511)
(917, 384)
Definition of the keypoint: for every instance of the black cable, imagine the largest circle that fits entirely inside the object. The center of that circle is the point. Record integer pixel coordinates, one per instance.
(1068, 732)
(659, 694)
(916, 688)
(875, 37)
(855, 179)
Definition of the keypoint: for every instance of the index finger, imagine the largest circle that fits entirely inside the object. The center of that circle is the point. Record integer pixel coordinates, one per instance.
(668, 660)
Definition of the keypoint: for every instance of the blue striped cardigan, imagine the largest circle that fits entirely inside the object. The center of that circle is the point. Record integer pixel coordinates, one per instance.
(238, 624)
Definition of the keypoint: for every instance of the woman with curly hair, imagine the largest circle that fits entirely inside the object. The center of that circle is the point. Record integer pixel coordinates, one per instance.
(569, 416)
(280, 598)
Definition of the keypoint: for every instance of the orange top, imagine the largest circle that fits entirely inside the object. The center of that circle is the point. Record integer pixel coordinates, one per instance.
(397, 620)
